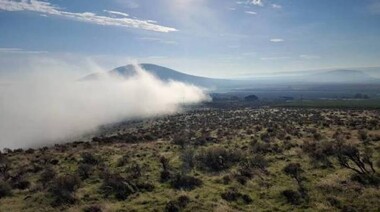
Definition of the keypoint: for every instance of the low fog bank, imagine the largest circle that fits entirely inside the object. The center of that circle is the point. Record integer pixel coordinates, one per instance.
(46, 109)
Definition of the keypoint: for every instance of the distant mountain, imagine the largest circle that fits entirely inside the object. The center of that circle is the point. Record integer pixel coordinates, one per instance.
(166, 74)
(314, 78)
(341, 76)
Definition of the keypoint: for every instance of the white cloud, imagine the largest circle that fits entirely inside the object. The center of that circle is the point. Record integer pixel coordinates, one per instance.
(276, 40)
(251, 12)
(309, 57)
(256, 2)
(153, 39)
(19, 51)
(49, 9)
(276, 6)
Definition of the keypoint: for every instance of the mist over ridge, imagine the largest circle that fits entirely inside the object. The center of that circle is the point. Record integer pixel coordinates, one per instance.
(47, 110)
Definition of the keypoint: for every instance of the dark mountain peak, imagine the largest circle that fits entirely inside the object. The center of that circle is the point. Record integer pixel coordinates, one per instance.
(162, 73)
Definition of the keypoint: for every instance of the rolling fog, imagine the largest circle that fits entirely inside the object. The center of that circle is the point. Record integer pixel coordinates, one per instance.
(48, 108)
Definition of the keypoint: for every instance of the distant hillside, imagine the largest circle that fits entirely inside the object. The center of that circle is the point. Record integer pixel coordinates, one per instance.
(164, 74)
(341, 76)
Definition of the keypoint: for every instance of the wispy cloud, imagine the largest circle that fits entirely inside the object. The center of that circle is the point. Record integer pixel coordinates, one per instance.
(309, 57)
(249, 54)
(116, 13)
(251, 12)
(275, 58)
(159, 40)
(157, 57)
(20, 51)
(48, 9)
(132, 4)
(276, 6)
(276, 40)
(233, 46)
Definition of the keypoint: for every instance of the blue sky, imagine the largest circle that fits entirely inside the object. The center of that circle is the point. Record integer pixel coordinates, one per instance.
(218, 38)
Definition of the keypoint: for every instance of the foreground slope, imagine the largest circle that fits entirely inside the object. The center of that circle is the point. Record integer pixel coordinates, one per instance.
(204, 160)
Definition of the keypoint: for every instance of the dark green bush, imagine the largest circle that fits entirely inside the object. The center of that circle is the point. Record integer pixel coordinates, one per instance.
(123, 161)
(47, 175)
(172, 206)
(232, 195)
(89, 158)
(63, 188)
(294, 170)
(293, 197)
(186, 182)
(117, 186)
(217, 158)
(92, 208)
(84, 171)
(5, 189)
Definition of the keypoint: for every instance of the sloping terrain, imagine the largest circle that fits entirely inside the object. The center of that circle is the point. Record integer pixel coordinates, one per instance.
(204, 160)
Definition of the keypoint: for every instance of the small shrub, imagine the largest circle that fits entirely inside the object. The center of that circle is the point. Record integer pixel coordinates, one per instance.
(47, 175)
(260, 147)
(172, 206)
(188, 161)
(363, 134)
(145, 186)
(116, 185)
(217, 158)
(294, 170)
(232, 195)
(5, 189)
(180, 141)
(177, 205)
(185, 182)
(226, 179)
(165, 173)
(62, 189)
(372, 179)
(334, 202)
(293, 197)
(84, 171)
(183, 200)
(92, 208)
(89, 158)
(30, 151)
(320, 152)
(123, 161)
(21, 184)
(134, 171)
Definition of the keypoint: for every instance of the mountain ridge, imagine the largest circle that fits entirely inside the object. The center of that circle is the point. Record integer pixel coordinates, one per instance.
(339, 76)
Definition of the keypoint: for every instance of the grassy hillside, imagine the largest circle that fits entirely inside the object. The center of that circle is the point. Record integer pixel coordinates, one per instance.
(207, 160)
